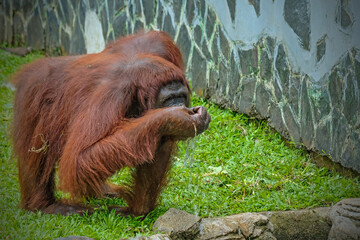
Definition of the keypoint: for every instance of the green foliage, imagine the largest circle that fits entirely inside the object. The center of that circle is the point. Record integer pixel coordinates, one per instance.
(242, 165)
(238, 165)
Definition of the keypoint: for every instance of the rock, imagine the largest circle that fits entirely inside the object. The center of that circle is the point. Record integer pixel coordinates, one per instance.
(153, 237)
(220, 227)
(291, 124)
(275, 119)
(249, 61)
(177, 9)
(247, 95)
(306, 121)
(20, 51)
(35, 33)
(342, 15)
(345, 217)
(178, 224)
(262, 101)
(74, 238)
(198, 73)
(184, 43)
(224, 45)
(190, 11)
(234, 78)
(256, 5)
(298, 224)
(282, 68)
(149, 11)
(320, 48)
(77, 41)
(198, 34)
(51, 31)
(351, 155)
(210, 22)
(339, 134)
(168, 26)
(265, 66)
(253, 225)
(301, 224)
(232, 8)
(297, 15)
(240, 226)
(119, 24)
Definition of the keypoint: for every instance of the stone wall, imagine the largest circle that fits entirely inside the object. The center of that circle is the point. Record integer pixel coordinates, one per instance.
(295, 63)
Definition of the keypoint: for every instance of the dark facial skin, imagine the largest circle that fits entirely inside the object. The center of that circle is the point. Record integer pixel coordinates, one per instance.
(176, 94)
(173, 94)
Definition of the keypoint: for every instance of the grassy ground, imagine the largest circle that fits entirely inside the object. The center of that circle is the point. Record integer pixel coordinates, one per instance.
(238, 165)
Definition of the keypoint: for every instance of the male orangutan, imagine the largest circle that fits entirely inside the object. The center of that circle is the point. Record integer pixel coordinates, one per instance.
(91, 115)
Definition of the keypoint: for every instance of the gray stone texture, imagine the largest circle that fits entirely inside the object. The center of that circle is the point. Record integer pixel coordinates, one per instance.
(262, 101)
(221, 87)
(77, 43)
(282, 225)
(198, 72)
(190, 7)
(293, 127)
(351, 99)
(35, 37)
(149, 10)
(119, 24)
(275, 118)
(215, 47)
(104, 21)
(234, 78)
(256, 4)
(265, 66)
(249, 61)
(178, 224)
(320, 48)
(18, 29)
(200, 5)
(345, 217)
(320, 100)
(282, 68)
(343, 16)
(294, 93)
(51, 31)
(184, 43)
(74, 238)
(224, 45)
(297, 15)
(210, 22)
(247, 95)
(336, 87)
(352, 150)
(232, 6)
(213, 82)
(306, 120)
(168, 26)
(301, 224)
(68, 12)
(198, 34)
(177, 5)
(153, 237)
(340, 132)
(322, 142)
(259, 80)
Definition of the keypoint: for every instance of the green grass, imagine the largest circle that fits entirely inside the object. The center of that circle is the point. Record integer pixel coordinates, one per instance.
(238, 165)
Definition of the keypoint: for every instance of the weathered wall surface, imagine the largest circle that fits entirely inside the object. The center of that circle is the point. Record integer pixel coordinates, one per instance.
(295, 63)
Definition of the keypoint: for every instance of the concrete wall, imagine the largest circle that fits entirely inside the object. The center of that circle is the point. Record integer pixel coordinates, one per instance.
(295, 63)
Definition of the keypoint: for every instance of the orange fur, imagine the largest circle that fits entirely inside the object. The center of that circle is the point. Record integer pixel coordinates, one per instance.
(92, 116)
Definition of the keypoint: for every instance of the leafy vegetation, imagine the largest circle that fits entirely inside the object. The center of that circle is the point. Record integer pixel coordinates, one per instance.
(238, 165)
